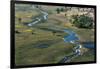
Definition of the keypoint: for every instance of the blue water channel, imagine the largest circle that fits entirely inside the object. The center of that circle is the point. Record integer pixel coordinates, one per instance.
(72, 37)
(90, 45)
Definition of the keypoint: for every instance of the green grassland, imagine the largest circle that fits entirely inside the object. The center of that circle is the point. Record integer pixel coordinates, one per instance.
(28, 46)
(26, 12)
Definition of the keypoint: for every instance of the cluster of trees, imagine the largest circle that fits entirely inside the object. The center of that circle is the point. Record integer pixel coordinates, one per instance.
(82, 21)
(60, 10)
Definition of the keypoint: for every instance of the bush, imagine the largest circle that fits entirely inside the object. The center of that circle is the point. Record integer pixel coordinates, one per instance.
(82, 21)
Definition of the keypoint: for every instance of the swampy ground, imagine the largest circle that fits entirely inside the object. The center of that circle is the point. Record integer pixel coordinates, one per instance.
(39, 44)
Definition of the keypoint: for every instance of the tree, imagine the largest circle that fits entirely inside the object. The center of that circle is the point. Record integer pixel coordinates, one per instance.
(19, 19)
(58, 10)
(62, 9)
(83, 21)
(65, 14)
(36, 6)
(17, 32)
(53, 32)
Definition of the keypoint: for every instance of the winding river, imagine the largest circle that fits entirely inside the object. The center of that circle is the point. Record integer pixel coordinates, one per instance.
(71, 37)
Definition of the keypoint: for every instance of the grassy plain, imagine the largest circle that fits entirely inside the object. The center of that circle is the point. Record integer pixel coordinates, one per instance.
(35, 45)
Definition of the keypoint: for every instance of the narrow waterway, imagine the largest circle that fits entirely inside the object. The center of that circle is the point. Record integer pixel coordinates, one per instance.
(43, 16)
(71, 37)
(89, 45)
